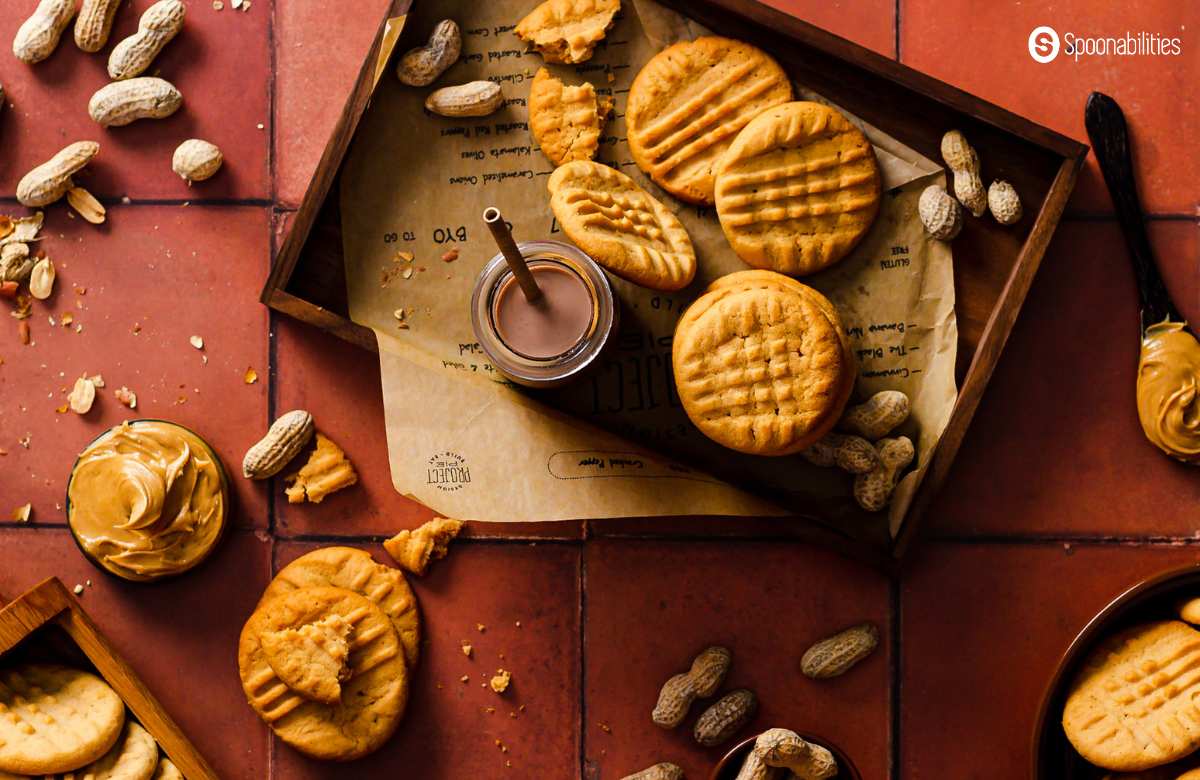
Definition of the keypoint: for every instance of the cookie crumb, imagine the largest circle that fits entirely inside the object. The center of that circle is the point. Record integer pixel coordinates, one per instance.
(500, 682)
(78, 589)
(467, 649)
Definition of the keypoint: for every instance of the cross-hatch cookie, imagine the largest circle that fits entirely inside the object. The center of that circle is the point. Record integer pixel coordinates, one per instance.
(373, 698)
(621, 226)
(760, 370)
(311, 660)
(689, 101)
(798, 189)
(1133, 705)
(54, 719)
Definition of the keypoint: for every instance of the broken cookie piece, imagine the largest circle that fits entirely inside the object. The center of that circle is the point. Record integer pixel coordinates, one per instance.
(312, 660)
(566, 120)
(327, 471)
(413, 550)
(567, 31)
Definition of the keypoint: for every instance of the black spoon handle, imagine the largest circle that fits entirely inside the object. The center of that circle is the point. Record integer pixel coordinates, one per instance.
(1110, 140)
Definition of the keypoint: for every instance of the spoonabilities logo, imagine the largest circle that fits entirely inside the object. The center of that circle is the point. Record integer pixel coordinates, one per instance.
(1044, 44)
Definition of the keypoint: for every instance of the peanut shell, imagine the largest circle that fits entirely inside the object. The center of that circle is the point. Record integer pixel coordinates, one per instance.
(702, 680)
(725, 717)
(158, 26)
(421, 66)
(38, 36)
(663, 771)
(836, 655)
(476, 98)
(284, 440)
(50, 181)
(196, 160)
(94, 23)
(122, 102)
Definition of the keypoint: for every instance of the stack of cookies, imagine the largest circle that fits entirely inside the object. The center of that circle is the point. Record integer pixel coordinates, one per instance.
(325, 658)
(55, 720)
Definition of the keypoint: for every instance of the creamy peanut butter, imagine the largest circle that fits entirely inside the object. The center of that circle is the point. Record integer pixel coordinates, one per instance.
(147, 500)
(1168, 390)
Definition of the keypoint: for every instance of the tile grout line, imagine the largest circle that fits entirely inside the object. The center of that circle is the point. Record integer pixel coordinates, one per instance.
(894, 670)
(582, 665)
(896, 29)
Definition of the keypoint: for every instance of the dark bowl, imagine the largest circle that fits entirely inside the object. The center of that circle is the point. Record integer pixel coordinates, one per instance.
(1155, 598)
(727, 768)
(226, 493)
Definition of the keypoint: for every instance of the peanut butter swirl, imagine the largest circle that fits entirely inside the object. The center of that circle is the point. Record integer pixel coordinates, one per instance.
(1167, 390)
(147, 500)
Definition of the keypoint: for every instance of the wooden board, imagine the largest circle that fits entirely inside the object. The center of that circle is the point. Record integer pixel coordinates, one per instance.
(47, 624)
(995, 264)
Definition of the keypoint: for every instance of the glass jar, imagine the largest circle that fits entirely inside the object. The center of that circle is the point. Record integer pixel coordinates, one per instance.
(557, 369)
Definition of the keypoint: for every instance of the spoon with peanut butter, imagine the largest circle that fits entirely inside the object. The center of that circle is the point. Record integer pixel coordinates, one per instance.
(1168, 378)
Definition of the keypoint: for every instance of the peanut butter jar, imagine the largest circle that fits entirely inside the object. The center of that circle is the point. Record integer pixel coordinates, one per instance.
(147, 499)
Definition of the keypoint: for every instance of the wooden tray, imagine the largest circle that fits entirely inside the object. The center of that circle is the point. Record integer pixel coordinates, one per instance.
(995, 264)
(47, 624)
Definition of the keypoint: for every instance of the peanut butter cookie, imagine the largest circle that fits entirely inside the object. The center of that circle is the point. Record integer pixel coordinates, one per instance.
(314, 659)
(689, 101)
(750, 279)
(133, 757)
(566, 120)
(760, 368)
(356, 570)
(1133, 704)
(326, 471)
(798, 189)
(373, 698)
(567, 31)
(621, 225)
(167, 771)
(55, 719)
(414, 549)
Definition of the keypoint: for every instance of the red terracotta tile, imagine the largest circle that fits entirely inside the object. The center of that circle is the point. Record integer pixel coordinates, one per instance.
(221, 64)
(1055, 447)
(983, 48)
(313, 81)
(190, 663)
(173, 272)
(983, 629)
(447, 731)
(651, 606)
(871, 24)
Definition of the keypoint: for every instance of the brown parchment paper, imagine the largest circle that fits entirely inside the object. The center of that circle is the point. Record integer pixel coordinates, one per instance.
(469, 445)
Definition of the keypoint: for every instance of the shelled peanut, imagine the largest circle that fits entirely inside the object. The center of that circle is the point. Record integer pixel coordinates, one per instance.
(836, 655)
(50, 181)
(94, 23)
(702, 680)
(144, 97)
(196, 160)
(158, 26)
(38, 36)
